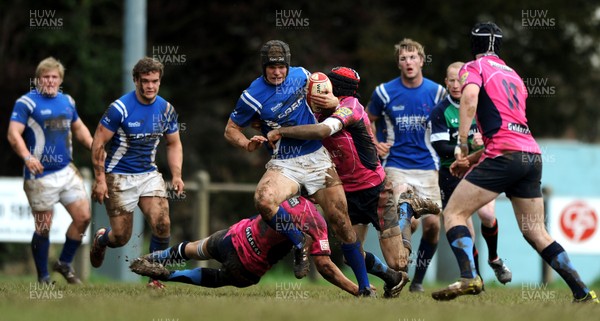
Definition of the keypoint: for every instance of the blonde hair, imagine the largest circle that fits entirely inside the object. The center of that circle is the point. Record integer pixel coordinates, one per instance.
(456, 64)
(47, 64)
(408, 44)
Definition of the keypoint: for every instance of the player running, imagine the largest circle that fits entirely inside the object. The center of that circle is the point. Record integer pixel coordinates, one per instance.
(247, 250)
(511, 163)
(278, 99)
(40, 130)
(444, 130)
(128, 177)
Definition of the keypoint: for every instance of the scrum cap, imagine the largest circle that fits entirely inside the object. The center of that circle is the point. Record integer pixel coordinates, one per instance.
(344, 81)
(275, 52)
(486, 37)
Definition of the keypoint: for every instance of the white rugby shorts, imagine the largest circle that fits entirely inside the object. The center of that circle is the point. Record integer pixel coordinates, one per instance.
(64, 186)
(424, 182)
(125, 190)
(308, 171)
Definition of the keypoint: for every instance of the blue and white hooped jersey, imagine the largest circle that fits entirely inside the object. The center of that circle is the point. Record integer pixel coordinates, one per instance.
(279, 106)
(403, 122)
(138, 129)
(47, 132)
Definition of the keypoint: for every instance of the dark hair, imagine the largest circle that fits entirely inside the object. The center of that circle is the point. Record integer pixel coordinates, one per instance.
(146, 65)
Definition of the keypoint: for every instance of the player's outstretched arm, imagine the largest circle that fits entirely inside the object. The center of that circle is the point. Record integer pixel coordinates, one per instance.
(82, 133)
(233, 134)
(101, 137)
(333, 274)
(175, 160)
(327, 128)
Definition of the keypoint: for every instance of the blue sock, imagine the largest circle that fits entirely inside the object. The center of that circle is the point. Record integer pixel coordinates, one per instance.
(282, 223)
(374, 264)
(557, 258)
(159, 243)
(39, 248)
(405, 213)
(68, 251)
(461, 243)
(355, 259)
(187, 276)
(376, 267)
(104, 240)
(424, 256)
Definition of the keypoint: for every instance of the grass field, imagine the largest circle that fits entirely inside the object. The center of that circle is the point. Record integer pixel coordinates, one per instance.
(276, 299)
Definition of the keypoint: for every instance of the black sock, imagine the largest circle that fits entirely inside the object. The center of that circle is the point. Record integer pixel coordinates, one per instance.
(490, 235)
(476, 259)
(555, 255)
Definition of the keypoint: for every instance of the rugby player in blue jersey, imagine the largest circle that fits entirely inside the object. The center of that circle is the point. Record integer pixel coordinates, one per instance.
(278, 99)
(40, 130)
(126, 174)
(399, 110)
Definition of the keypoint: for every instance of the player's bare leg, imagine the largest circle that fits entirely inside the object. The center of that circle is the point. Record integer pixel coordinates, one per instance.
(80, 214)
(465, 200)
(272, 190)
(117, 235)
(333, 202)
(156, 213)
(530, 211)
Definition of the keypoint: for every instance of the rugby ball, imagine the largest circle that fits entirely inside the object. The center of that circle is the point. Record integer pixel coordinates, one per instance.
(318, 83)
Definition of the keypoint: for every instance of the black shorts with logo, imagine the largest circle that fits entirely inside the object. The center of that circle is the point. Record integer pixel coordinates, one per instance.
(221, 248)
(516, 174)
(373, 205)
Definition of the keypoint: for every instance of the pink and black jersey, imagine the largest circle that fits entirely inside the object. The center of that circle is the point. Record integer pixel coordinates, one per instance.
(353, 149)
(501, 107)
(259, 247)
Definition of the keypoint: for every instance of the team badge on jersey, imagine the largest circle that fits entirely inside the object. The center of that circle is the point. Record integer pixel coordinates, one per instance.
(343, 112)
(463, 78)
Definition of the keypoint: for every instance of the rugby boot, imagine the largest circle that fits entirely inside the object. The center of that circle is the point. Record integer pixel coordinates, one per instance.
(461, 287)
(589, 298)
(301, 262)
(393, 290)
(503, 274)
(97, 251)
(66, 271)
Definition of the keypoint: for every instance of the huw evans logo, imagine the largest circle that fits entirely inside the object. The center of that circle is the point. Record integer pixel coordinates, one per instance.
(44, 19)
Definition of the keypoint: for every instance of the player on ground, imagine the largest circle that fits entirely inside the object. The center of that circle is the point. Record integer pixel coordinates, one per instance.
(444, 130)
(40, 130)
(399, 110)
(278, 99)
(247, 250)
(346, 133)
(511, 163)
(128, 177)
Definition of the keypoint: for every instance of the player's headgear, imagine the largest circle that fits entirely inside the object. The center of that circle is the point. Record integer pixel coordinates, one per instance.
(275, 52)
(486, 37)
(344, 81)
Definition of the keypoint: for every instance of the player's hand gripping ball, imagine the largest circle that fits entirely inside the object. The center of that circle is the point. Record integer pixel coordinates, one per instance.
(318, 83)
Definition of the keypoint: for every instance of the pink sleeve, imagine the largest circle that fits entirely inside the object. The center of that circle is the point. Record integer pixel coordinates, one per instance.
(349, 112)
(470, 73)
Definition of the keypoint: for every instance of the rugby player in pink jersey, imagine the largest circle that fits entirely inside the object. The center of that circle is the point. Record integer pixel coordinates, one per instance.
(247, 250)
(346, 133)
(511, 163)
